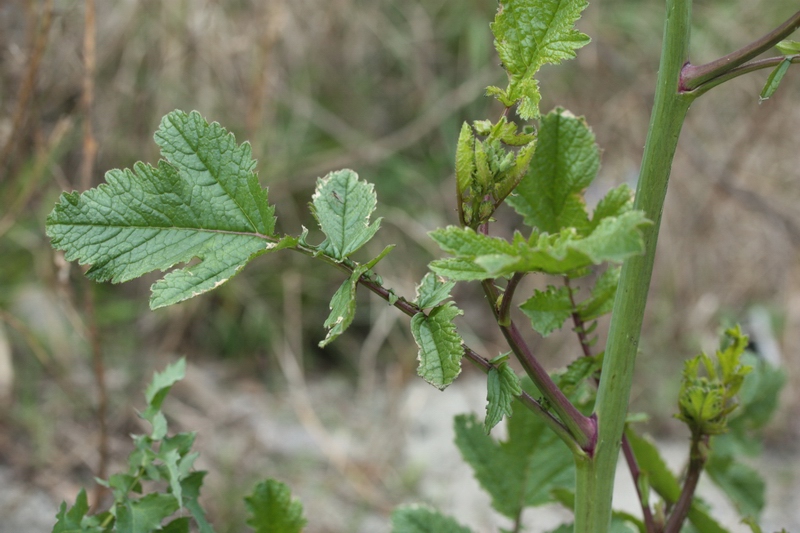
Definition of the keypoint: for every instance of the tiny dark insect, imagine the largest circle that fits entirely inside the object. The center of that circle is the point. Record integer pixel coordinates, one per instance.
(337, 196)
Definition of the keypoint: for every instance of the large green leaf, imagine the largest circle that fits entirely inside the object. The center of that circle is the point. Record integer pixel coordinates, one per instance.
(741, 483)
(204, 201)
(522, 470)
(342, 204)
(421, 519)
(550, 196)
(271, 509)
(529, 34)
(440, 348)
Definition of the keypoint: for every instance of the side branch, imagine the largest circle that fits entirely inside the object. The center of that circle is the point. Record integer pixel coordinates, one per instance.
(693, 77)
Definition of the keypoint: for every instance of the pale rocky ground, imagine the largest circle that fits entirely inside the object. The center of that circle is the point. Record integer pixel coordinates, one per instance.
(394, 450)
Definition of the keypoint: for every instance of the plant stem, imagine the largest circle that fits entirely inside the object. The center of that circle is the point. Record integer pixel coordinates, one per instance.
(752, 66)
(580, 327)
(695, 76)
(581, 427)
(504, 313)
(595, 477)
(697, 460)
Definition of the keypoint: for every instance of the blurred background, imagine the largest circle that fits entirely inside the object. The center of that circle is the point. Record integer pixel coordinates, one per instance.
(381, 87)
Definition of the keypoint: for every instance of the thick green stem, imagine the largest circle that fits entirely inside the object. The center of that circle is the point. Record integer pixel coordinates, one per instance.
(595, 477)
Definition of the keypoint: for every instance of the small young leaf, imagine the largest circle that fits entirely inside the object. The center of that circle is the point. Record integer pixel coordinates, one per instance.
(145, 514)
(343, 307)
(548, 309)
(272, 509)
(421, 519)
(465, 159)
(502, 387)
(432, 291)
(440, 349)
(566, 160)
(342, 205)
(190, 487)
(203, 202)
(774, 80)
(788, 48)
(529, 34)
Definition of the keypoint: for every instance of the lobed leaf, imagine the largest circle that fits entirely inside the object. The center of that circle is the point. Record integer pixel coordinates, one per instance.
(272, 509)
(482, 257)
(529, 34)
(440, 348)
(342, 205)
(602, 299)
(422, 519)
(203, 201)
(548, 309)
(566, 161)
(145, 514)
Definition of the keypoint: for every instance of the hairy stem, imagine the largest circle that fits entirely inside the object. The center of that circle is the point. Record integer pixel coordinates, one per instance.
(595, 479)
(693, 76)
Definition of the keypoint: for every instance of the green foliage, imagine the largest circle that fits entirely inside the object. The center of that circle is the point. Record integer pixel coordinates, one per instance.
(156, 459)
(520, 471)
(503, 386)
(203, 201)
(440, 349)
(550, 197)
(421, 519)
(529, 34)
(342, 205)
(343, 308)
(432, 291)
(272, 509)
(548, 309)
(706, 401)
(481, 257)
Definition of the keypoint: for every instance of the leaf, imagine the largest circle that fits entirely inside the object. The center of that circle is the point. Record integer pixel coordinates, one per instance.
(422, 519)
(480, 256)
(529, 34)
(774, 79)
(788, 48)
(343, 307)
(75, 520)
(342, 205)
(204, 201)
(616, 202)
(190, 487)
(272, 509)
(502, 387)
(432, 291)
(522, 470)
(548, 309)
(743, 485)
(155, 393)
(465, 160)
(602, 299)
(566, 160)
(440, 349)
(145, 514)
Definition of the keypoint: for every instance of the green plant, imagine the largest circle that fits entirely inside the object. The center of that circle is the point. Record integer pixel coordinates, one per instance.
(204, 201)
